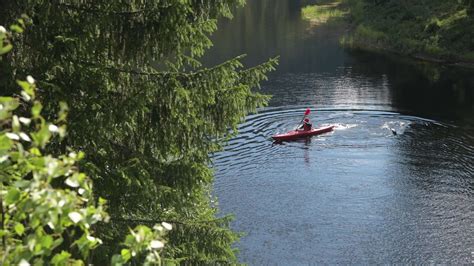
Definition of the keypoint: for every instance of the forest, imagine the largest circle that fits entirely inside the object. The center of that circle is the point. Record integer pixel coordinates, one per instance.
(144, 116)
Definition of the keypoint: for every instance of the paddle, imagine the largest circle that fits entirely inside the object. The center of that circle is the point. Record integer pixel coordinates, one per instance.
(305, 114)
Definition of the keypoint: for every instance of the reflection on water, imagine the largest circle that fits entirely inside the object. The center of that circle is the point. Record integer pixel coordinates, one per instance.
(267, 28)
(311, 60)
(347, 90)
(393, 183)
(359, 194)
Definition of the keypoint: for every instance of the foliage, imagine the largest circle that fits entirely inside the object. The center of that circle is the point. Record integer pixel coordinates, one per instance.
(143, 108)
(442, 30)
(143, 239)
(47, 206)
(322, 13)
(37, 218)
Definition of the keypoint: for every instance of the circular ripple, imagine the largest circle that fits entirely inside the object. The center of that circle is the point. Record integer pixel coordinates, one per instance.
(380, 183)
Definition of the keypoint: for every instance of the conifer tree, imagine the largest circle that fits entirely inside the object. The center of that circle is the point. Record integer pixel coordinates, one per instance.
(143, 108)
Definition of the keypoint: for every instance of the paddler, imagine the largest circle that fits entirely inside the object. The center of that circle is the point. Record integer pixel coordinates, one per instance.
(306, 125)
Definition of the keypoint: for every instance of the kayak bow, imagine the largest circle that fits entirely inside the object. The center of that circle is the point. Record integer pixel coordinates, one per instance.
(295, 134)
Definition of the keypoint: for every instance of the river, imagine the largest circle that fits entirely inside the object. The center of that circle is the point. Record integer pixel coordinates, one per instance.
(394, 183)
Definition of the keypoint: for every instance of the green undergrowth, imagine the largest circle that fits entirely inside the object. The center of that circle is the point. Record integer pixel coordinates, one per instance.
(324, 12)
(436, 30)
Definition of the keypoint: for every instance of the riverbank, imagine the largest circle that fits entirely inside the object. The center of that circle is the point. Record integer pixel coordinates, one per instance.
(437, 31)
(324, 12)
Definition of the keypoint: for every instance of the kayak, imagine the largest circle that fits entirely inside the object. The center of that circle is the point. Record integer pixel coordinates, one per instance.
(295, 134)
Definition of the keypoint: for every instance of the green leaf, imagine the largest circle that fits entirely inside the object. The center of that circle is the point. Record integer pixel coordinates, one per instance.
(63, 109)
(27, 87)
(19, 229)
(60, 259)
(36, 109)
(9, 104)
(102, 201)
(41, 137)
(35, 222)
(5, 49)
(12, 196)
(23, 84)
(35, 151)
(16, 28)
(57, 242)
(22, 183)
(22, 22)
(5, 143)
(15, 124)
(76, 263)
(62, 131)
(46, 241)
(126, 254)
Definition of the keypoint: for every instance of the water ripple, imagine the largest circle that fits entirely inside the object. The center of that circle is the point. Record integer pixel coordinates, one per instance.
(399, 184)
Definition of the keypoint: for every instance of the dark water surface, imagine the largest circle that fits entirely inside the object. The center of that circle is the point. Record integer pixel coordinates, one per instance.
(360, 194)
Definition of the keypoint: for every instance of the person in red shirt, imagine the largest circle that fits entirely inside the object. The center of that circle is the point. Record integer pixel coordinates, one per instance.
(306, 125)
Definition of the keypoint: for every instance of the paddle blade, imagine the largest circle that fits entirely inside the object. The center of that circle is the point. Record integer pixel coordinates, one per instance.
(307, 112)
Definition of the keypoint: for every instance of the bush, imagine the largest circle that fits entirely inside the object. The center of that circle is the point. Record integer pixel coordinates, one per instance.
(47, 209)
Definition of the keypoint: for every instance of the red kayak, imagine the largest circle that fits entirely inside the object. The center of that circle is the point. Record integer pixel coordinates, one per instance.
(294, 134)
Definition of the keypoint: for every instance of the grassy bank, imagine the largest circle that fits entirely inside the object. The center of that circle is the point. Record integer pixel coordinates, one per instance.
(324, 11)
(435, 30)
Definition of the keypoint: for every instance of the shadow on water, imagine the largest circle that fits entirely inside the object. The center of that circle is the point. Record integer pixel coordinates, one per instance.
(421, 88)
(360, 194)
